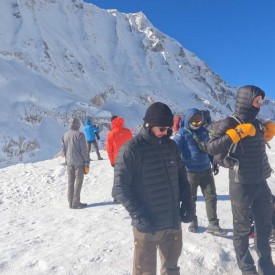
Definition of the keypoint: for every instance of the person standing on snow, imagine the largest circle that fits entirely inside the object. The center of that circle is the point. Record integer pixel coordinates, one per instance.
(90, 131)
(191, 141)
(176, 123)
(76, 154)
(151, 183)
(116, 138)
(248, 170)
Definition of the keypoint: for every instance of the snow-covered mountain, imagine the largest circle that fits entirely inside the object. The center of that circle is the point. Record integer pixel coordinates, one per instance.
(64, 58)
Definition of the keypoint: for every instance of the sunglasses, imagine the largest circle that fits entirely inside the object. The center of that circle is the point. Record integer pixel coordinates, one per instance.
(196, 123)
(163, 129)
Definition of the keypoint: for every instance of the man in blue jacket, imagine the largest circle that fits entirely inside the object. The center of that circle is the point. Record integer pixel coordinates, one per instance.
(191, 140)
(90, 131)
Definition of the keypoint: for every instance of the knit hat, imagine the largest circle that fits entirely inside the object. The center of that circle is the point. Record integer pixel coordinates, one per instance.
(113, 117)
(158, 114)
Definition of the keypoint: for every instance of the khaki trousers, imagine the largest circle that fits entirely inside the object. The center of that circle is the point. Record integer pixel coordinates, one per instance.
(75, 180)
(167, 242)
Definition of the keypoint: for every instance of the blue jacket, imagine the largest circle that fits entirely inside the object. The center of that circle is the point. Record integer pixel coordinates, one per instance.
(195, 159)
(90, 131)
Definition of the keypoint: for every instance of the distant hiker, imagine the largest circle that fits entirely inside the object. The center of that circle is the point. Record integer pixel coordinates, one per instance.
(76, 154)
(248, 171)
(151, 183)
(90, 133)
(116, 138)
(176, 123)
(191, 140)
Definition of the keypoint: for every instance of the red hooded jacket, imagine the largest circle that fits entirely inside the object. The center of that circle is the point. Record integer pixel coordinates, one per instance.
(116, 138)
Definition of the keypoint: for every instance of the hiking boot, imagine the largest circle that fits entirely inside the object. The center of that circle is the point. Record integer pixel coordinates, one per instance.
(193, 226)
(214, 229)
(100, 158)
(80, 206)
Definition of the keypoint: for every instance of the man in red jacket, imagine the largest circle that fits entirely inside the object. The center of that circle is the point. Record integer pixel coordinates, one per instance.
(116, 138)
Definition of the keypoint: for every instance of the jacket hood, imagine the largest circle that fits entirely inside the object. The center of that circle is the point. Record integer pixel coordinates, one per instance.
(244, 99)
(87, 122)
(189, 114)
(118, 123)
(75, 124)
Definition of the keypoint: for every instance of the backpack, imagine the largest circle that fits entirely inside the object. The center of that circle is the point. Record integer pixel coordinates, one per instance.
(226, 158)
(97, 135)
(177, 120)
(206, 117)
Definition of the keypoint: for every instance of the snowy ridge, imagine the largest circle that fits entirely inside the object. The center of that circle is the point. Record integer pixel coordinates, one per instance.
(64, 58)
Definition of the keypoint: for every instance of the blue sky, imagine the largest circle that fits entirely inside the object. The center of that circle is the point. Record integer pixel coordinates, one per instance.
(236, 38)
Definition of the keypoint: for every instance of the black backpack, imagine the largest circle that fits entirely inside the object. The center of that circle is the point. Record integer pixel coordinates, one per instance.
(226, 158)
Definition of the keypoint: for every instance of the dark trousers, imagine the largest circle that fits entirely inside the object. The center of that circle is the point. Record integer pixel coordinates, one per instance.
(169, 244)
(206, 182)
(75, 180)
(255, 199)
(94, 142)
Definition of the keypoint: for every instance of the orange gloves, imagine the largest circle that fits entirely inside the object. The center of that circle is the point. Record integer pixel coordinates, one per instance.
(86, 169)
(269, 130)
(242, 131)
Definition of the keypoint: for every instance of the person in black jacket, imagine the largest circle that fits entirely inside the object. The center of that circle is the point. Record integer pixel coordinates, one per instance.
(151, 183)
(248, 170)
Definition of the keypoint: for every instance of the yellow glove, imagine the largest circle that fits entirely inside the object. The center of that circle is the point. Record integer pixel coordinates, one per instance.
(241, 131)
(269, 130)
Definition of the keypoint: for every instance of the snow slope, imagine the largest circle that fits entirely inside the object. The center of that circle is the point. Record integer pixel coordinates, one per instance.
(39, 234)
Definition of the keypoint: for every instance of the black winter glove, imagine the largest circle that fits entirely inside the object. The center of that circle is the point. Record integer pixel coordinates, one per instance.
(143, 225)
(216, 169)
(187, 211)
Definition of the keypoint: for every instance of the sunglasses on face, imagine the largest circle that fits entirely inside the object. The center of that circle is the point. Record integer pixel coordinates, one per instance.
(163, 129)
(196, 123)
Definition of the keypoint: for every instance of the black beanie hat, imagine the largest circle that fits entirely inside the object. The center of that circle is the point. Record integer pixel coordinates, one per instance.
(158, 114)
(113, 117)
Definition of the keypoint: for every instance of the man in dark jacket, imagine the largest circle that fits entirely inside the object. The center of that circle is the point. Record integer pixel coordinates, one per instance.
(77, 156)
(248, 171)
(191, 140)
(151, 183)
